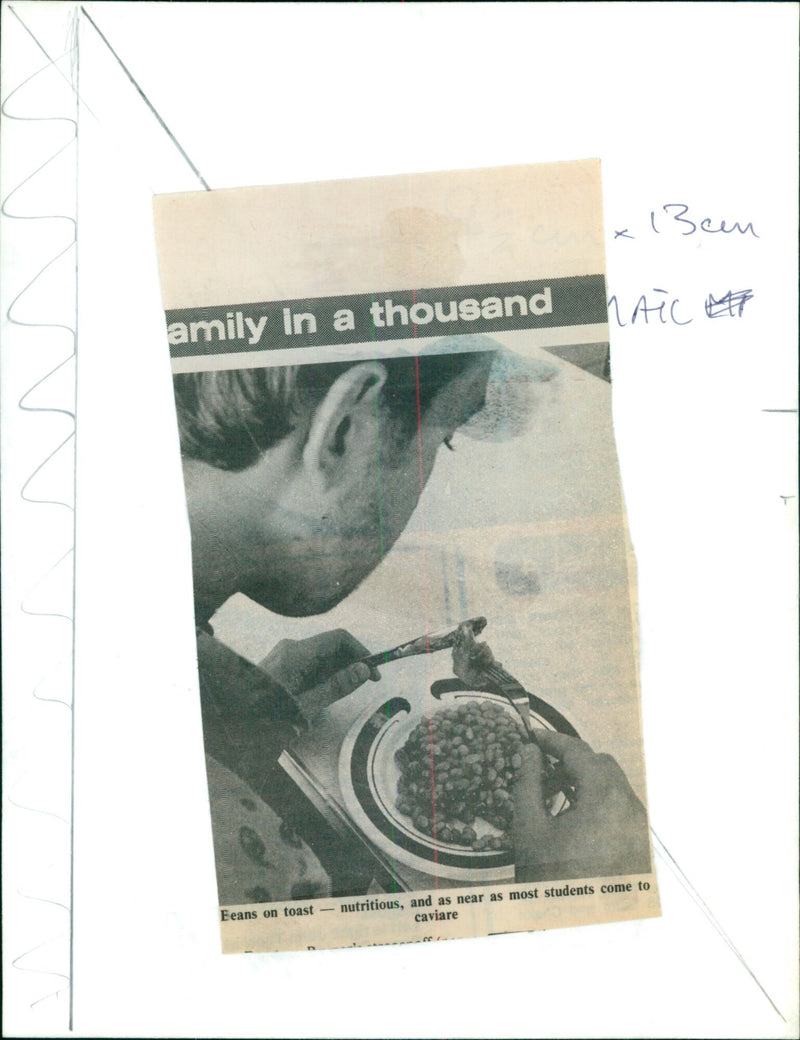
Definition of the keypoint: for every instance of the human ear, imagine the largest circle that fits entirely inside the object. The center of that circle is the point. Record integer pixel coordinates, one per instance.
(346, 419)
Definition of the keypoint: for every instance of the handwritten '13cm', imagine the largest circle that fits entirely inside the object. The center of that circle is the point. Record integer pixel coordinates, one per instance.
(673, 217)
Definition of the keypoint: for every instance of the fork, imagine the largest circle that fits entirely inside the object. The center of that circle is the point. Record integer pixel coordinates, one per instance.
(514, 693)
(555, 778)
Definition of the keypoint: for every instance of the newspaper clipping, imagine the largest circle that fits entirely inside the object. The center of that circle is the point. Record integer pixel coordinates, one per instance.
(414, 589)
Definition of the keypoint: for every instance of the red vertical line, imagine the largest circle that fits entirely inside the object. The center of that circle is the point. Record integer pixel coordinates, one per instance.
(433, 803)
(425, 601)
(381, 550)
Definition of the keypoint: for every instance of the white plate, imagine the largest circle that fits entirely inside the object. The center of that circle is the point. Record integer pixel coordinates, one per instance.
(368, 775)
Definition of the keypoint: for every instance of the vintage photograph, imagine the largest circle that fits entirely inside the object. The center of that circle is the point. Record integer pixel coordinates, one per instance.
(414, 598)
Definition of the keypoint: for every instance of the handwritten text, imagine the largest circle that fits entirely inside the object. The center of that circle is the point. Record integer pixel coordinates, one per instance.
(659, 307)
(677, 218)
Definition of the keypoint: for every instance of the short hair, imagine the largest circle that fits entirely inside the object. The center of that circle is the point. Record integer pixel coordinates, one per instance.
(228, 419)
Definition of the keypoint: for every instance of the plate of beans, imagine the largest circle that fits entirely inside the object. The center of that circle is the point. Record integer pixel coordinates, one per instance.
(433, 788)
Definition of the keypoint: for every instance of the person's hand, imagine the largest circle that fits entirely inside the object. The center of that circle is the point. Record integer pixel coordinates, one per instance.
(470, 658)
(604, 833)
(319, 670)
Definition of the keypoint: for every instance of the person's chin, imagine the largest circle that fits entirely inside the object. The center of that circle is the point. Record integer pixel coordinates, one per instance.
(297, 603)
(322, 604)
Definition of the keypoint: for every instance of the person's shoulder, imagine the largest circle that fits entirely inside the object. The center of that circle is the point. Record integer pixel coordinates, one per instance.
(232, 687)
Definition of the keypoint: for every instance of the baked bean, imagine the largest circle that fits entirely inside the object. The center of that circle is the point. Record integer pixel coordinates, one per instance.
(458, 766)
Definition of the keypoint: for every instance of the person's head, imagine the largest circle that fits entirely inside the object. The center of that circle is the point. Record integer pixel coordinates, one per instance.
(299, 480)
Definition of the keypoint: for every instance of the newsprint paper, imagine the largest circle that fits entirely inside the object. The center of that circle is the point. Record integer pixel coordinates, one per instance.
(414, 590)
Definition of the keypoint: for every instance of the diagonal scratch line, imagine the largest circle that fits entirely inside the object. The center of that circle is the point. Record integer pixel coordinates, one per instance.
(17, 962)
(52, 61)
(39, 273)
(40, 971)
(43, 577)
(146, 100)
(41, 899)
(44, 408)
(24, 490)
(42, 812)
(47, 996)
(684, 880)
(48, 700)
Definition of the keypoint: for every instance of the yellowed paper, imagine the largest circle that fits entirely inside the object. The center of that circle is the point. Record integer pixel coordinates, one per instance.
(330, 342)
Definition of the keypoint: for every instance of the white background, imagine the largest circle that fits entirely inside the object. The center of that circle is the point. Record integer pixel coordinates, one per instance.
(683, 103)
